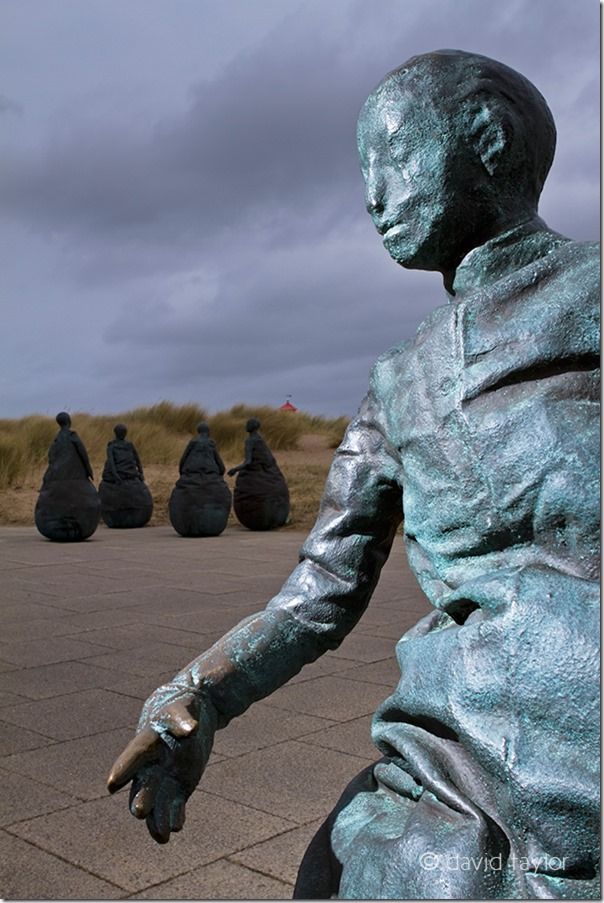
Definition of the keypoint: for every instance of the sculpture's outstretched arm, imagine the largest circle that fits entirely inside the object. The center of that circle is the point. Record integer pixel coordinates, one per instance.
(249, 457)
(319, 604)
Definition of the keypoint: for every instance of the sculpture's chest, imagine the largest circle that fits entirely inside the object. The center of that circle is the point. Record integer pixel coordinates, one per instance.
(496, 422)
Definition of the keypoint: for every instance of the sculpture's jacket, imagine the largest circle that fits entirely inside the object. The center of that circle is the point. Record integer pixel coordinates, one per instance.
(485, 430)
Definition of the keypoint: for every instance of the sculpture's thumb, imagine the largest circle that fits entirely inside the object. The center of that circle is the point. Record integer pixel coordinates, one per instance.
(178, 721)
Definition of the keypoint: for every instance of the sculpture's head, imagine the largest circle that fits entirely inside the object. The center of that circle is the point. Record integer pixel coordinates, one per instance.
(252, 425)
(454, 148)
(120, 431)
(63, 419)
(203, 429)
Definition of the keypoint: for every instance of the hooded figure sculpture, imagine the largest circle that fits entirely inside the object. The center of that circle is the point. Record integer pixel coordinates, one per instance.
(68, 506)
(261, 499)
(200, 502)
(126, 501)
(484, 429)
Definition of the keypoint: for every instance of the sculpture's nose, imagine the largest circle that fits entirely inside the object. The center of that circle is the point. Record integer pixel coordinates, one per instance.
(374, 193)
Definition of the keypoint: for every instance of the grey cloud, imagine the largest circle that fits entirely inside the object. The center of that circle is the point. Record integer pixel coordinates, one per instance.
(219, 246)
(10, 106)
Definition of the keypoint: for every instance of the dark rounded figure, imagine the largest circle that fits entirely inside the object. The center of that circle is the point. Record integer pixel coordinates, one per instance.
(125, 498)
(68, 506)
(201, 501)
(261, 499)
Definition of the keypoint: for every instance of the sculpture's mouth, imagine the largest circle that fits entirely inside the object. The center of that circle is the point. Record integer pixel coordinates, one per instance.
(390, 232)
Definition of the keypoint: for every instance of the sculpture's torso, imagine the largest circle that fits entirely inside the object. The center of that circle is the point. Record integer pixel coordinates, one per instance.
(64, 462)
(201, 457)
(493, 414)
(124, 459)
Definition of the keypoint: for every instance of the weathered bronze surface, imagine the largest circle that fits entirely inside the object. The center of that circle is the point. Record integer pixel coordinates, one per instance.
(200, 502)
(485, 429)
(68, 506)
(261, 498)
(125, 497)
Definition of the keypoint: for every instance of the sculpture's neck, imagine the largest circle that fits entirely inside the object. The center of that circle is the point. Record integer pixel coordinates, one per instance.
(502, 255)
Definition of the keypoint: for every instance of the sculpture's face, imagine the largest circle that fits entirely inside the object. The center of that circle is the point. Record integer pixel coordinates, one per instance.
(408, 156)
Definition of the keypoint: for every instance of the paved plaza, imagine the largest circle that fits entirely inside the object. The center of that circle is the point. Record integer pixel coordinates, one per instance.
(87, 630)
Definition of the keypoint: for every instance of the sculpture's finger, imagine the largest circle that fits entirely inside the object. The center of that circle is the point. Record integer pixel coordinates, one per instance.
(177, 814)
(158, 820)
(144, 749)
(177, 720)
(144, 792)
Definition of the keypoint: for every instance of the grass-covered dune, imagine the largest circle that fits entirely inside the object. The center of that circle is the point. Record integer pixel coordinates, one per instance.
(303, 445)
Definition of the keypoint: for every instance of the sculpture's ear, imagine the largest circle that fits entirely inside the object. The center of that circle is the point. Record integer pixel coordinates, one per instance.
(490, 134)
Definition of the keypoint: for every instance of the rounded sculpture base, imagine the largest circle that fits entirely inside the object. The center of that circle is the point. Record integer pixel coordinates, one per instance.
(200, 505)
(125, 505)
(67, 510)
(261, 499)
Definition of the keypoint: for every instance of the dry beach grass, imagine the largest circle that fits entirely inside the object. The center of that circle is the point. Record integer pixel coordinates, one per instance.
(303, 445)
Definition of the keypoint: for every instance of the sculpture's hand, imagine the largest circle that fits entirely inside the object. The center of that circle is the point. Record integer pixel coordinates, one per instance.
(165, 761)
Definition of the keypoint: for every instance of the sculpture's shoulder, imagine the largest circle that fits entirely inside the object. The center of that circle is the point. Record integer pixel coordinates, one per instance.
(388, 369)
(577, 264)
(556, 300)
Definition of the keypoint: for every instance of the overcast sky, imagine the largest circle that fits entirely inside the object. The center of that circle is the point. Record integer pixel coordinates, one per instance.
(182, 210)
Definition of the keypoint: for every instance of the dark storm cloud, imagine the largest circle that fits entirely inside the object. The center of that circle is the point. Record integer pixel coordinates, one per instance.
(225, 239)
(271, 141)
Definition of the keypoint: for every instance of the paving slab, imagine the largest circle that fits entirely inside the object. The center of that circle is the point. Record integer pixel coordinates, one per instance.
(10, 698)
(329, 697)
(16, 739)
(77, 767)
(46, 681)
(385, 673)
(221, 880)
(22, 798)
(280, 856)
(76, 714)
(134, 636)
(134, 607)
(29, 873)
(148, 661)
(102, 837)
(48, 651)
(353, 737)
(295, 780)
(263, 726)
(365, 648)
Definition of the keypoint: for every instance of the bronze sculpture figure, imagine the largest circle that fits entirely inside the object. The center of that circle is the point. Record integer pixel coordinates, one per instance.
(485, 429)
(261, 498)
(126, 501)
(68, 507)
(200, 502)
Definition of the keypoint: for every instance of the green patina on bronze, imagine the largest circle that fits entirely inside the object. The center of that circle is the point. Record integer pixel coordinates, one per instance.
(484, 429)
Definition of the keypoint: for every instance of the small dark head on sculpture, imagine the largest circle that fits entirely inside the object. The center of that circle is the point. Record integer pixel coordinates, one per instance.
(203, 428)
(455, 148)
(63, 419)
(120, 430)
(252, 425)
